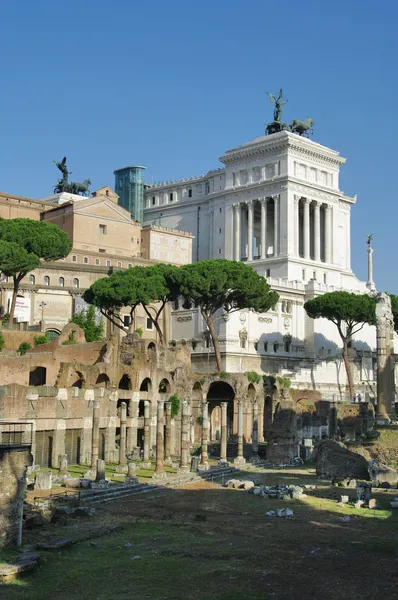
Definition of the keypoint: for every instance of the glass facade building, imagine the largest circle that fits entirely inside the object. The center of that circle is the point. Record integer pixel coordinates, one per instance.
(129, 185)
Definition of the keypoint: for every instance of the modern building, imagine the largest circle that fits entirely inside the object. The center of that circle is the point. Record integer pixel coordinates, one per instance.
(129, 185)
(276, 204)
(105, 238)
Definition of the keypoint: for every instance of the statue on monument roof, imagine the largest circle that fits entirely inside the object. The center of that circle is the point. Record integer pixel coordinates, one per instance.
(63, 184)
(278, 105)
(302, 127)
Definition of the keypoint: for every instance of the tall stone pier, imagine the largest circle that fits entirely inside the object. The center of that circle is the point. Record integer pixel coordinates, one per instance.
(184, 467)
(122, 466)
(204, 458)
(240, 460)
(147, 421)
(95, 434)
(385, 361)
(167, 442)
(255, 430)
(159, 469)
(223, 441)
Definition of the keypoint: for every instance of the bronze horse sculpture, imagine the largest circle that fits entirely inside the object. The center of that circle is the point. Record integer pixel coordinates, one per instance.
(302, 127)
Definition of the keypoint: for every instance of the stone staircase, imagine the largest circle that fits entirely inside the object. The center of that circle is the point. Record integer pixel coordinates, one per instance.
(117, 492)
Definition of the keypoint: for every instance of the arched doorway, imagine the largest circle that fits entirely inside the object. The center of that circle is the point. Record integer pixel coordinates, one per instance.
(103, 380)
(220, 391)
(125, 383)
(52, 334)
(164, 387)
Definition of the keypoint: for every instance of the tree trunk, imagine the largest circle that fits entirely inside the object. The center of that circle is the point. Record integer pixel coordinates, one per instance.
(348, 368)
(13, 302)
(214, 338)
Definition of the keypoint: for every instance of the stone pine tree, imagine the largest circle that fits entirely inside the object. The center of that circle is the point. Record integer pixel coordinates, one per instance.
(394, 308)
(25, 244)
(218, 287)
(349, 312)
(151, 287)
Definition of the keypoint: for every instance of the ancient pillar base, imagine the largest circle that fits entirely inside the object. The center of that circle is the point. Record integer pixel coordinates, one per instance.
(121, 469)
(168, 462)
(91, 474)
(160, 476)
(184, 469)
(223, 462)
(146, 465)
(204, 467)
(239, 460)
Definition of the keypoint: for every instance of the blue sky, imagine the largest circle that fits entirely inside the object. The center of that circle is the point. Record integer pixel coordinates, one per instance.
(172, 85)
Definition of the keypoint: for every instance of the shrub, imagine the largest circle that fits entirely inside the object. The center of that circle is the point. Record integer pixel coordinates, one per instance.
(2, 341)
(40, 339)
(175, 405)
(139, 331)
(223, 374)
(284, 382)
(202, 381)
(199, 420)
(253, 377)
(69, 342)
(23, 348)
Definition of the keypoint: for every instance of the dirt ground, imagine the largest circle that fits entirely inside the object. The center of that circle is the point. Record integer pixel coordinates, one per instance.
(205, 542)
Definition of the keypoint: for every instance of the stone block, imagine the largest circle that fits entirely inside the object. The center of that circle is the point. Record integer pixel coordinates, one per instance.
(373, 503)
(100, 470)
(381, 474)
(131, 470)
(345, 499)
(335, 460)
(63, 465)
(90, 474)
(44, 481)
(72, 482)
(121, 469)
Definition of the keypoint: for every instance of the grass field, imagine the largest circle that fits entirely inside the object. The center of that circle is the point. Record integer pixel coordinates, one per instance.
(209, 543)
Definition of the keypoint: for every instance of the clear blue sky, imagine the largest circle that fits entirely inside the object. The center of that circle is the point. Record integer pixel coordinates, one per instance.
(172, 85)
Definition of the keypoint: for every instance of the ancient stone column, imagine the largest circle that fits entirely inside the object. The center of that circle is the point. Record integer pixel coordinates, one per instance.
(95, 434)
(204, 464)
(147, 421)
(263, 235)
(306, 228)
(159, 469)
(239, 460)
(167, 441)
(122, 466)
(223, 443)
(370, 283)
(385, 360)
(184, 466)
(250, 230)
(255, 430)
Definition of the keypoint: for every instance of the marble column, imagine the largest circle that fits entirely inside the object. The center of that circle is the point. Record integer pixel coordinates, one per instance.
(159, 469)
(276, 225)
(184, 466)
(317, 231)
(306, 228)
(147, 421)
(255, 429)
(95, 434)
(239, 460)
(263, 228)
(328, 221)
(122, 466)
(296, 226)
(223, 442)
(167, 441)
(250, 230)
(204, 463)
(237, 255)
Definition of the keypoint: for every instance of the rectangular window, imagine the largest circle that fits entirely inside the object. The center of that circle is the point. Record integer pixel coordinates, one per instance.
(219, 230)
(149, 324)
(97, 261)
(153, 200)
(85, 260)
(265, 346)
(171, 197)
(189, 193)
(220, 210)
(126, 320)
(314, 275)
(102, 229)
(119, 264)
(74, 258)
(129, 265)
(303, 274)
(268, 272)
(101, 250)
(324, 278)
(108, 263)
(219, 251)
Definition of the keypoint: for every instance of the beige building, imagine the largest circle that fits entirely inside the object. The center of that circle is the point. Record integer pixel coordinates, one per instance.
(104, 239)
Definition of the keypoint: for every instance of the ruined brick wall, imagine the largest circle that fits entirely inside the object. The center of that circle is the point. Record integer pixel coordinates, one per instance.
(13, 465)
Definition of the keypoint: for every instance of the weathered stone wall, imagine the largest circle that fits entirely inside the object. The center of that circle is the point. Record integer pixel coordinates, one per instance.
(13, 465)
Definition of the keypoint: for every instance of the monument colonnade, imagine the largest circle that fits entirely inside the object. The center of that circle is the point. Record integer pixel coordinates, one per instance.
(312, 229)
